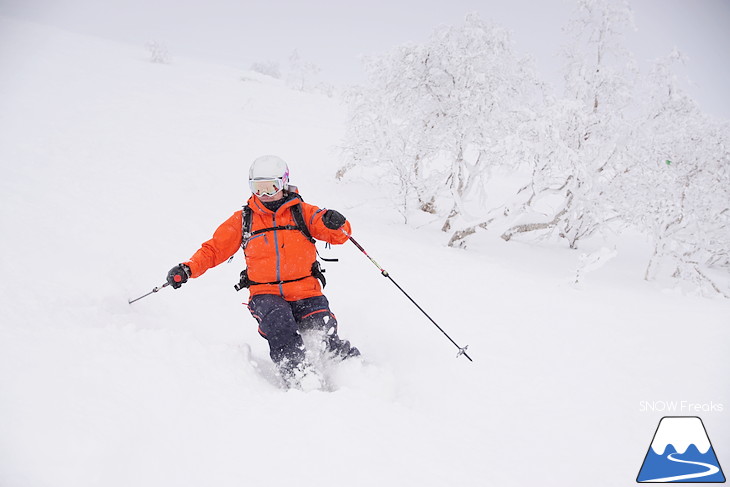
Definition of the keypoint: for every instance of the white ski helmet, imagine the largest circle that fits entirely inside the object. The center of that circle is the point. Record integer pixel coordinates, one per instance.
(268, 168)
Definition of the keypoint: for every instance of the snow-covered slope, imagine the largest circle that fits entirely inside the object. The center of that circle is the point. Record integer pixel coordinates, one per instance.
(114, 169)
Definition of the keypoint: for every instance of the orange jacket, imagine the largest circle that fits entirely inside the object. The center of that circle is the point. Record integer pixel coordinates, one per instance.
(273, 256)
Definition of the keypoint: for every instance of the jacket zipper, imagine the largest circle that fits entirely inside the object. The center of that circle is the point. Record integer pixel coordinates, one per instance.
(278, 258)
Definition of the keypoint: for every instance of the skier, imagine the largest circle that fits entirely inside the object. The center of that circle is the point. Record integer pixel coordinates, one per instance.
(276, 230)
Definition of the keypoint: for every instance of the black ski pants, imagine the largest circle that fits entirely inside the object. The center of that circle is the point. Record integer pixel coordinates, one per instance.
(281, 321)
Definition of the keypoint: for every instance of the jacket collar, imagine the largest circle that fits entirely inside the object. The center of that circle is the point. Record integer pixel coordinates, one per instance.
(258, 206)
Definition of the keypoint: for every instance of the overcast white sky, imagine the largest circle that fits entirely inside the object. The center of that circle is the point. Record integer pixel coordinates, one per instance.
(333, 34)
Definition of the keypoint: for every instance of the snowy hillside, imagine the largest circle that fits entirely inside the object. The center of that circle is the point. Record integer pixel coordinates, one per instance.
(114, 169)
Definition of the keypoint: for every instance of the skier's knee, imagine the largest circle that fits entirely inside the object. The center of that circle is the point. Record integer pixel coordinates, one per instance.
(322, 321)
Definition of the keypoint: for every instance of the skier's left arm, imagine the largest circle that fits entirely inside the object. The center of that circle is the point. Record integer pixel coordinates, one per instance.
(327, 225)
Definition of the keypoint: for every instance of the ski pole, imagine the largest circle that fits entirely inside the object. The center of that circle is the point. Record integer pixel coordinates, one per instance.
(153, 291)
(462, 350)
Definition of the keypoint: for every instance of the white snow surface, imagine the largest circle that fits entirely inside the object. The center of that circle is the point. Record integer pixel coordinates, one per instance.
(114, 169)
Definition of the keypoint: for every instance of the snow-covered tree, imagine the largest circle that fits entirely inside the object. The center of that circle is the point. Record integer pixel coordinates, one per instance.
(303, 75)
(268, 68)
(158, 52)
(377, 143)
(438, 116)
(678, 190)
(582, 146)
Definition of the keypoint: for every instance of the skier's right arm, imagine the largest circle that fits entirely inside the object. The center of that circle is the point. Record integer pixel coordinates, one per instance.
(225, 242)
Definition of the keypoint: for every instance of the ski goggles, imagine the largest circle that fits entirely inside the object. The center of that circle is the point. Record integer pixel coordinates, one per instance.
(266, 187)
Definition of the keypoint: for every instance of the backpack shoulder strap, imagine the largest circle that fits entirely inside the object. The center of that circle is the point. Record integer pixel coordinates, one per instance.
(245, 226)
(296, 212)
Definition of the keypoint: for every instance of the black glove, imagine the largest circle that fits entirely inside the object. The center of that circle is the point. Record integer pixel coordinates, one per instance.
(333, 219)
(178, 275)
